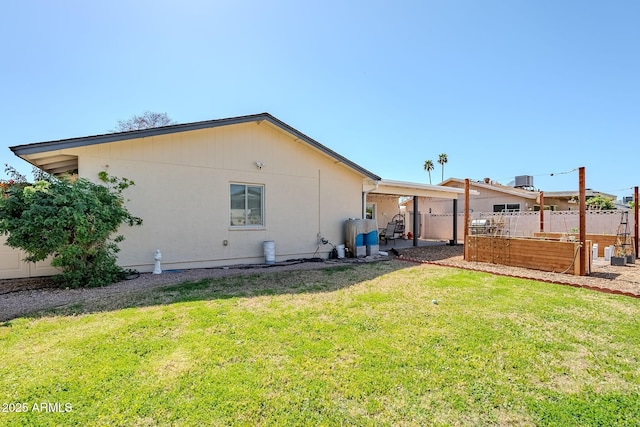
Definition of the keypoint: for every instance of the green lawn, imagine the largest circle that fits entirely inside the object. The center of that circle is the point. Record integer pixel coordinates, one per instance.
(359, 345)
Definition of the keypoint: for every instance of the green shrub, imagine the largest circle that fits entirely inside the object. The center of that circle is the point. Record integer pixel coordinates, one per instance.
(71, 220)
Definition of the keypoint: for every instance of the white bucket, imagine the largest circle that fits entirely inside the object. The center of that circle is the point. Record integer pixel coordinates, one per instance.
(269, 251)
(595, 251)
(340, 249)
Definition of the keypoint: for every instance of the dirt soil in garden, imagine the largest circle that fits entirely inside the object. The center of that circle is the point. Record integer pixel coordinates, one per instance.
(616, 279)
(22, 297)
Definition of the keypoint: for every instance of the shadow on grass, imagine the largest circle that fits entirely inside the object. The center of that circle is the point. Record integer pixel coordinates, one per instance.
(432, 253)
(604, 275)
(244, 284)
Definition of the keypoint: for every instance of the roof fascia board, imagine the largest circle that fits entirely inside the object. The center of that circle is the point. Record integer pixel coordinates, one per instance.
(47, 146)
(326, 150)
(62, 144)
(401, 188)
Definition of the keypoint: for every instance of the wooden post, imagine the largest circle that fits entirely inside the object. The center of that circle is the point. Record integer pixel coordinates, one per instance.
(635, 208)
(583, 221)
(466, 215)
(541, 211)
(415, 221)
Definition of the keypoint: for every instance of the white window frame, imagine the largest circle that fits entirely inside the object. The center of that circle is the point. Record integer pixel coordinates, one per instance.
(247, 211)
(374, 209)
(505, 207)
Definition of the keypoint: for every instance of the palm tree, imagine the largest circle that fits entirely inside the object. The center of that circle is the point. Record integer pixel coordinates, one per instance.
(428, 166)
(442, 159)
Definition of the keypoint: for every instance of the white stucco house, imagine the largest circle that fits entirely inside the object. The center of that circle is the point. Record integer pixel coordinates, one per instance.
(212, 192)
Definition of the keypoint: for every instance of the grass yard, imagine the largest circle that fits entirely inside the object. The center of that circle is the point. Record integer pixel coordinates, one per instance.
(362, 345)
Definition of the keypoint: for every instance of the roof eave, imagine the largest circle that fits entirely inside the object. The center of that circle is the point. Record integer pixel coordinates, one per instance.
(401, 188)
(56, 145)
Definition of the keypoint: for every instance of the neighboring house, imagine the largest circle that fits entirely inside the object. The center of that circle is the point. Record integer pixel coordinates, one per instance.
(211, 193)
(494, 197)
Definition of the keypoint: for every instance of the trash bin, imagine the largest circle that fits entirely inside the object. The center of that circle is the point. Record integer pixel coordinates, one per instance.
(269, 251)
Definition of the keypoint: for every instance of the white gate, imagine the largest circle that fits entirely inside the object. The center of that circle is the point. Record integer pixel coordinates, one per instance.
(12, 265)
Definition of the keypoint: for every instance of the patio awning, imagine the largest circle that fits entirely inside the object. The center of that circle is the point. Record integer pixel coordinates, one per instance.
(411, 189)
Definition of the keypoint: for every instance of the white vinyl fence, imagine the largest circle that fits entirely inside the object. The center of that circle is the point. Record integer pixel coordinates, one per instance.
(12, 265)
(522, 224)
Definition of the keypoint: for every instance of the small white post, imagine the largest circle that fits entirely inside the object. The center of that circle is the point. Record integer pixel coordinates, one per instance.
(156, 267)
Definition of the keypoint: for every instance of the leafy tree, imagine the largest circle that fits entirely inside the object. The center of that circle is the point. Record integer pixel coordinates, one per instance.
(442, 159)
(147, 120)
(72, 221)
(14, 174)
(600, 202)
(428, 166)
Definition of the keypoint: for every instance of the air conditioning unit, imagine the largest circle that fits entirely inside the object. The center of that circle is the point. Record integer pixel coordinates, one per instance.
(524, 181)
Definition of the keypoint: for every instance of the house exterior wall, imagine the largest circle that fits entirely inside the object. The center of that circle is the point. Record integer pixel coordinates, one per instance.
(182, 194)
(560, 204)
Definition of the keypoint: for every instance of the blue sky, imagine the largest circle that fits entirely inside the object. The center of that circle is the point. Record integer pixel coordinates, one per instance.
(503, 87)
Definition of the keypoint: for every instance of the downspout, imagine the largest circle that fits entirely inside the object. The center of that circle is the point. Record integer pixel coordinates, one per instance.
(364, 199)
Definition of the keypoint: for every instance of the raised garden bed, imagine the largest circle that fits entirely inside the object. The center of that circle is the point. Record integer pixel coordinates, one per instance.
(535, 253)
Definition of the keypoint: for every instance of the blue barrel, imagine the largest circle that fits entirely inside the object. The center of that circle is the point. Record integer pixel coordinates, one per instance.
(360, 239)
(371, 238)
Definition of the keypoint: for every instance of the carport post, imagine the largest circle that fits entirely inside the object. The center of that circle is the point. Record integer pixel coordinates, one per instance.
(635, 208)
(466, 216)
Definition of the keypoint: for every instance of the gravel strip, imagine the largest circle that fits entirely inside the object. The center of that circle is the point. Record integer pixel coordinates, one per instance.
(22, 297)
(27, 296)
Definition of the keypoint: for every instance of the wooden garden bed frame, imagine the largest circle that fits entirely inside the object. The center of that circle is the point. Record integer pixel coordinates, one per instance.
(536, 253)
(602, 240)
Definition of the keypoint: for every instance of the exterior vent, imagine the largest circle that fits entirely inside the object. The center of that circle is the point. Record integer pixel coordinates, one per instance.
(523, 181)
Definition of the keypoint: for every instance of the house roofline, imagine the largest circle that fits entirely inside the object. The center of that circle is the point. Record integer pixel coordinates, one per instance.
(588, 192)
(500, 188)
(416, 185)
(61, 144)
(528, 193)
